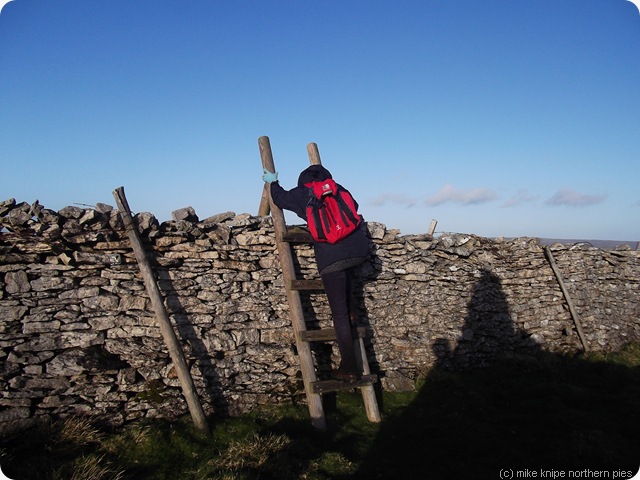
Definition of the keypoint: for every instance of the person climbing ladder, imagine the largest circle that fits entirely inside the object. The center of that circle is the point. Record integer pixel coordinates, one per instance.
(328, 208)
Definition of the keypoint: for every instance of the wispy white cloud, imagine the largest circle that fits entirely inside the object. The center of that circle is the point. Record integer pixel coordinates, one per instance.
(521, 197)
(449, 193)
(395, 199)
(572, 198)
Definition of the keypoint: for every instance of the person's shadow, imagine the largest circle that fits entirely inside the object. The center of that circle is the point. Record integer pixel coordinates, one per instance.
(496, 402)
(489, 334)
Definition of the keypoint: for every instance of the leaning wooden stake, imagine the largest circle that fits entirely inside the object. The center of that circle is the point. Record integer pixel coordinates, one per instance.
(305, 356)
(170, 339)
(565, 292)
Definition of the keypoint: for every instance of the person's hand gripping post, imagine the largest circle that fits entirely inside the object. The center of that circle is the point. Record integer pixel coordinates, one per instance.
(269, 177)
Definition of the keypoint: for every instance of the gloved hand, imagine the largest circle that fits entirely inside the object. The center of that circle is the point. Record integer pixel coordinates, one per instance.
(268, 176)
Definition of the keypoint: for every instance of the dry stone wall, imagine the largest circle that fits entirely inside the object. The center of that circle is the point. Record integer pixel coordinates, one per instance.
(77, 334)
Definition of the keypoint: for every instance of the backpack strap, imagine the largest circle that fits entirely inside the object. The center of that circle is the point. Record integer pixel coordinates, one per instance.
(316, 206)
(344, 208)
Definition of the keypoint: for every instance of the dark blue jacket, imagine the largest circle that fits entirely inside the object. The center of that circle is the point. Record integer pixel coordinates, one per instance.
(348, 251)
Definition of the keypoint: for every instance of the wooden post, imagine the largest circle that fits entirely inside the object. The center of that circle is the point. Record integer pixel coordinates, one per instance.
(565, 292)
(264, 209)
(305, 355)
(314, 154)
(432, 227)
(267, 163)
(170, 339)
(368, 392)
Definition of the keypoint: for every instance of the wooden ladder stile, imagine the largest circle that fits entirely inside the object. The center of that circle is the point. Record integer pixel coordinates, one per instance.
(285, 236)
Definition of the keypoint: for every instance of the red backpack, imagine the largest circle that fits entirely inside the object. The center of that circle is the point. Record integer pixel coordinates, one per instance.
(331, 211)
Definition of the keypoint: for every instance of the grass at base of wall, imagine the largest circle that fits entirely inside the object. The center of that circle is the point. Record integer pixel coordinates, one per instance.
(543, 413)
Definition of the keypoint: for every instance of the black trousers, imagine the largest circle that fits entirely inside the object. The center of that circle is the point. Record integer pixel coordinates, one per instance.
(337, 286)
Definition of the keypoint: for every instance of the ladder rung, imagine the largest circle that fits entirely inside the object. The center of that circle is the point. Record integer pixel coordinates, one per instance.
(306, 285)
(327, 334)
(325, 386)
(296, 235)
(323, 335)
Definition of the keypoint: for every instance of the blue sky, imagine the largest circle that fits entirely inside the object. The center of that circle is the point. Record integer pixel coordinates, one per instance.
(494, 117)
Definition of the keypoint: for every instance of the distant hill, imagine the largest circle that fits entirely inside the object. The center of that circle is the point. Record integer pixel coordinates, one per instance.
(602, 244)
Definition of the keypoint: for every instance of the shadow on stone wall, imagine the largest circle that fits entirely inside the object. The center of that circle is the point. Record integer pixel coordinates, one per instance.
(484, 408)
(190, 334)
(205, 361)
(489, 333)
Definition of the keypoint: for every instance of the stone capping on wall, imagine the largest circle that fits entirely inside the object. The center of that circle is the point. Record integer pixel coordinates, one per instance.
(78, 337)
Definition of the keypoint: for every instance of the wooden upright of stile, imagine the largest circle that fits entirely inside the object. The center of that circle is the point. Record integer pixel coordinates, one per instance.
(314, 388)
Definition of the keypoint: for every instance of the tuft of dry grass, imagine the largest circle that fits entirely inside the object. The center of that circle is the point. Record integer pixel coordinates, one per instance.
(250, 453)
(132, 437)
(79, 431)
(90, 467)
